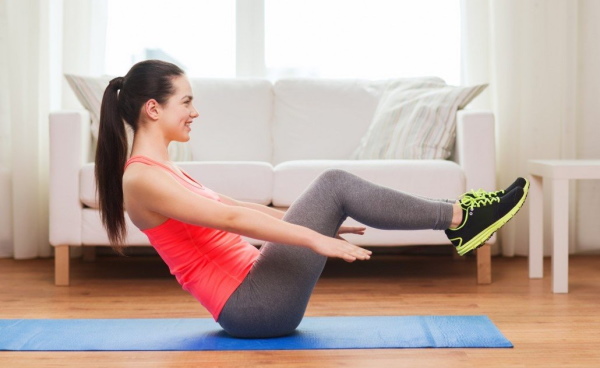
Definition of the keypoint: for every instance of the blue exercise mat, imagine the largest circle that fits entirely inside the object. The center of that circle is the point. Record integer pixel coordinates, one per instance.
(205, 334)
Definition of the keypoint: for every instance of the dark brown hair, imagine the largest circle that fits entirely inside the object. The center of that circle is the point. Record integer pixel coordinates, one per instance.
(122, 102)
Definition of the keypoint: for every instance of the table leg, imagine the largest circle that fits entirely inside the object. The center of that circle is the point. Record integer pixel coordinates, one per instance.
(560, 224)
(536, 227)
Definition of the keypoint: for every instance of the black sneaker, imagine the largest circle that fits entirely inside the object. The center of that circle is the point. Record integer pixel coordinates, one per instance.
(483, 216)
(519, 183)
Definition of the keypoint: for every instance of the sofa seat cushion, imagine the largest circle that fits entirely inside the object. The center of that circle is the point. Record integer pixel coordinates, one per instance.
(429, 178)
(93, 232)
(87, 186)
(249, 181)
(381, 238)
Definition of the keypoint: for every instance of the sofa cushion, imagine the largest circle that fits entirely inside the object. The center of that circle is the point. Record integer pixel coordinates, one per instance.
(249, 181)
(416, 121)
(321, 118)
(234, 122)
(243, 180)
(429, 178)
(89, 92)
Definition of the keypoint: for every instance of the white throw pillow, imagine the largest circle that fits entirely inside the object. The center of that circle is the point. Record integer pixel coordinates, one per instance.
(89, 92)
(415, 121)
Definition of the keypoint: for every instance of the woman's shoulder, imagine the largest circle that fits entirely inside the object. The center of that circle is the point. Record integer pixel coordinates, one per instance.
(139, 178)
(141, 182)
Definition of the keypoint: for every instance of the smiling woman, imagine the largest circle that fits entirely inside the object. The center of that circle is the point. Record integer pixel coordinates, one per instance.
(199, 232)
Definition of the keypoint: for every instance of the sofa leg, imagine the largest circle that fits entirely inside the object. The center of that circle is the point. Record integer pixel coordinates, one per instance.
(61, 265)
(484, 264)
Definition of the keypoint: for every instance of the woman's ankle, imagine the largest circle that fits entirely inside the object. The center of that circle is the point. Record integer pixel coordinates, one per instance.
(457, 215)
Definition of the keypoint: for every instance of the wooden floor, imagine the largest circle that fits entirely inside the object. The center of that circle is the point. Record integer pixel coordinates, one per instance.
(548, 330)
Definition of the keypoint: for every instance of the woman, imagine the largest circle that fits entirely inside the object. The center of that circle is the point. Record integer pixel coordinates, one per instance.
(250, 292)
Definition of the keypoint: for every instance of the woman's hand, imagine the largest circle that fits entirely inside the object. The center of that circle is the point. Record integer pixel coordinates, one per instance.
(359, 230)
(339, 248)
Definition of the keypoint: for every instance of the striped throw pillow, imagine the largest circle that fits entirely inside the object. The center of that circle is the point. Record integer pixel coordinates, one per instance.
(89, 92)
(416, 121)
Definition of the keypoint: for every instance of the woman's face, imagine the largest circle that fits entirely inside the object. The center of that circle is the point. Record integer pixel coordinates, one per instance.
(178, 112)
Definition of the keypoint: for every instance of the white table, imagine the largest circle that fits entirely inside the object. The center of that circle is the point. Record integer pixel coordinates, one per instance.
(560, 172)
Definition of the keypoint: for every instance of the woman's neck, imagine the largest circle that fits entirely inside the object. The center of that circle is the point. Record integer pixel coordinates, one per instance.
(150, 144)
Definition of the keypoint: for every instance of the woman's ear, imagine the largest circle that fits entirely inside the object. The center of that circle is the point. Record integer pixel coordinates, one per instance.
(152, 109)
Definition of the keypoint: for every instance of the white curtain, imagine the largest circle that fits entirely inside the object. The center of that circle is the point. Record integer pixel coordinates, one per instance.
(540, 58)
(25, 105)
(39, 39)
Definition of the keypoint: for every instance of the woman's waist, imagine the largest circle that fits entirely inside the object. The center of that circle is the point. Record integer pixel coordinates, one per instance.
(222, 258)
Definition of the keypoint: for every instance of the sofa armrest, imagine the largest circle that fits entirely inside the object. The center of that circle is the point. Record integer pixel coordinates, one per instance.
(70, 139)
(476, 148)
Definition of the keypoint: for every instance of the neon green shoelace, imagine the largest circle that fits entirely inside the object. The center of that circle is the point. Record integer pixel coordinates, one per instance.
(480, 193)
(469, 202)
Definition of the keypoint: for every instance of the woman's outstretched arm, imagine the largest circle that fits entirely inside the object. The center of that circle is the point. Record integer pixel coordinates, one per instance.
(156, 192)
(360, 230)
(255, 206)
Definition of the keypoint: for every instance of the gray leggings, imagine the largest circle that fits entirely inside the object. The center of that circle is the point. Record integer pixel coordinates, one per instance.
(272, 299)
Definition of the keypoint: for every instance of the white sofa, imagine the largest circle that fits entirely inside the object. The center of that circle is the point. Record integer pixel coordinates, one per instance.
(265, 142)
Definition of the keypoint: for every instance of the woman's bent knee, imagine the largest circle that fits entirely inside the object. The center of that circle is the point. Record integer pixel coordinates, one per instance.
(332, 176)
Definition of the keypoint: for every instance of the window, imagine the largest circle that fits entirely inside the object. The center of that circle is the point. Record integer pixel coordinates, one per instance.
(373, 39)
(197, 35)
(363, 38)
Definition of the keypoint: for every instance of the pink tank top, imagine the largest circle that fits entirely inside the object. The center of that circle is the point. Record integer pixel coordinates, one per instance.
(208, 263)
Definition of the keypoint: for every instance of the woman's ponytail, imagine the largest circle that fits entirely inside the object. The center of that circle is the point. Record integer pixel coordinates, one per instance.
(122, 102)
(111, 155)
